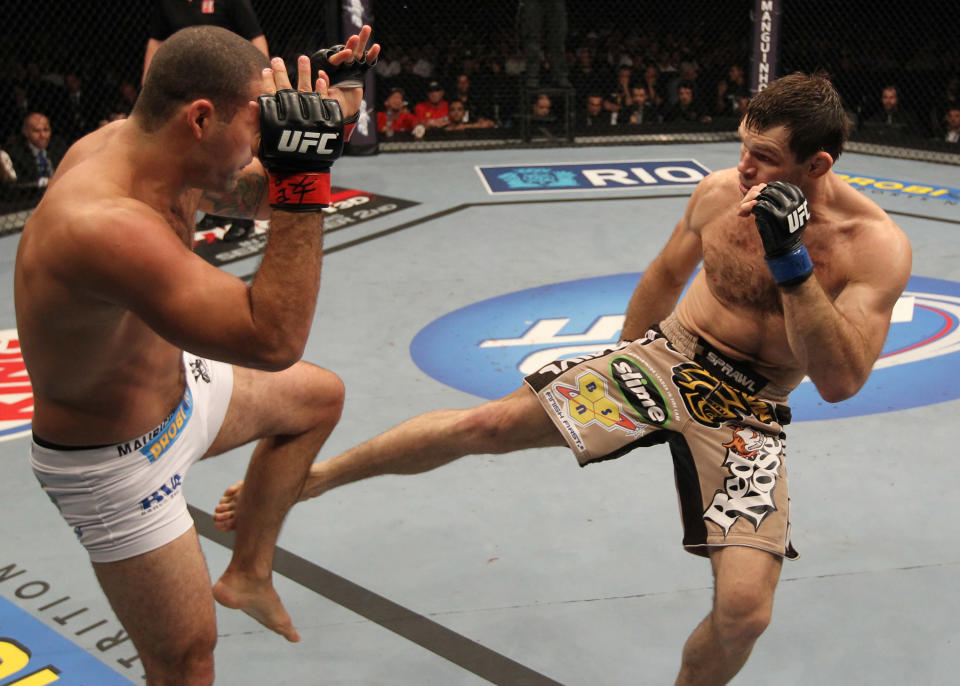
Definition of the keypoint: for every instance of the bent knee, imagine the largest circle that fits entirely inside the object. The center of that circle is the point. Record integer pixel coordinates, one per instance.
(186, 663)
(743, 617)
(324, 394)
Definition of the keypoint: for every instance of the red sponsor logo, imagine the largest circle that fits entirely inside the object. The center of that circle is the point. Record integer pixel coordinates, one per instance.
(16, 395)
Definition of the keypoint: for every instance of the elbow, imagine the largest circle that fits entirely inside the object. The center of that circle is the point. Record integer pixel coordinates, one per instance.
(837, 390)
(279, 354)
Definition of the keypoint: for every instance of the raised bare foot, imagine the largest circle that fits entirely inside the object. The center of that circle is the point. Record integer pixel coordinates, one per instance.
(257, 599)
(225, 514)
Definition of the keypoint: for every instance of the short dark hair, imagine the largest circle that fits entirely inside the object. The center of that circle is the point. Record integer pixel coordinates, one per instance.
(809, 107)
(198, 62)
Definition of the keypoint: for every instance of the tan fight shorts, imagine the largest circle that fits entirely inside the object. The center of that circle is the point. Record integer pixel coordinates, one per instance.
(722, 420)
(127, 499)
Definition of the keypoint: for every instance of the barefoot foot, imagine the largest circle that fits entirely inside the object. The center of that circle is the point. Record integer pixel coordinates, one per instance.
(257, 599)
(225, 514)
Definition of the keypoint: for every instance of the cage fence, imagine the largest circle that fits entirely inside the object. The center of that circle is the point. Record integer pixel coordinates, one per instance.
(461, 74)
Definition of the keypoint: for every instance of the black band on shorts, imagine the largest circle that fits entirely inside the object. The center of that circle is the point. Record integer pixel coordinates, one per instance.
(736, 373)
(56, 446)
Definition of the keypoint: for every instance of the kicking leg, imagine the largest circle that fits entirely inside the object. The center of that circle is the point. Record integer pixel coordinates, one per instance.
(292, 413)
(428, 441)
(744, 583)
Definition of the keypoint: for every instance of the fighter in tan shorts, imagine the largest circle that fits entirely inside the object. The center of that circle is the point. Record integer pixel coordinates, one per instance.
(799, 277)
(723, 422)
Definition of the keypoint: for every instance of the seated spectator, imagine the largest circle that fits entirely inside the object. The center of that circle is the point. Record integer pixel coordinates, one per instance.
(653, 86)
(593, 115)
(457, 119)
(84, 109)
(641, 111)
(952, 125)
(687, 73)
(433, 112)
(892, 119)
(541, 107)
(949, 98)
(395, 117)
(585, 76)
(620, 99)
(730, 91)
(684, 109)
(463, 94)
(36, 154)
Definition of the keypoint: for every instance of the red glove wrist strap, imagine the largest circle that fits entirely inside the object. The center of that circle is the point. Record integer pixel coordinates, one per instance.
(299, 188)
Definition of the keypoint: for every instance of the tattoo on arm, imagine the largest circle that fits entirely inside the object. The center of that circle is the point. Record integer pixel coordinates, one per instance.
(244, 200)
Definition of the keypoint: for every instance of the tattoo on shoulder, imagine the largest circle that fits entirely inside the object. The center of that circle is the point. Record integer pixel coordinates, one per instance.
(244, 200)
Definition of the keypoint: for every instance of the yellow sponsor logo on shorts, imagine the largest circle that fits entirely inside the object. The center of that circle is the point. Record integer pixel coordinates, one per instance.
(589, 403)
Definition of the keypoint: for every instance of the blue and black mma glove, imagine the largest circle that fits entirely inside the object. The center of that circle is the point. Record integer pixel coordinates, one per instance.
(347, 75)
(781, 215)
(301, 134)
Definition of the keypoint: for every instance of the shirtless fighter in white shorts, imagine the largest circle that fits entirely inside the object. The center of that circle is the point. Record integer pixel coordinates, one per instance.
(109, 295)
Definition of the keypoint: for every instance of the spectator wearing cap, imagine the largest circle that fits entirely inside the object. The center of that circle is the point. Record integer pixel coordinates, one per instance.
(434, 111)
(395, 116)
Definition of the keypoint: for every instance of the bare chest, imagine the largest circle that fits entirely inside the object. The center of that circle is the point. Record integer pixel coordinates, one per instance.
(737, 273)
(735, 270)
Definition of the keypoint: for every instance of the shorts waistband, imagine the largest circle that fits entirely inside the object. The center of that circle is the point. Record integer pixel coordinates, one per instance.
(50, 445)
(737, 373)
(81, 455)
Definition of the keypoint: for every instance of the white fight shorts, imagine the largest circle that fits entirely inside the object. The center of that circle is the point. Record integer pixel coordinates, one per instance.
(127, 499)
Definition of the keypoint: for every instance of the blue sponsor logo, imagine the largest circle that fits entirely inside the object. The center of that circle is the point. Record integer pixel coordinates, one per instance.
(595, 176)
(487, 348)
(32, 653)
(166, 490)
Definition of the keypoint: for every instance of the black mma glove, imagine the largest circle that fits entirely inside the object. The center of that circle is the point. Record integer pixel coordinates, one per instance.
(301, 134)
(781, 214)
(347, 75)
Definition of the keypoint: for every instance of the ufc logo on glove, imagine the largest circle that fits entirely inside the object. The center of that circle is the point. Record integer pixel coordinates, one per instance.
(796, 220)
(299, 178)
(307, 139)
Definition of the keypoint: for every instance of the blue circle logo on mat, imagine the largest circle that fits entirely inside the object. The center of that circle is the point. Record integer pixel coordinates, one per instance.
(487, 348)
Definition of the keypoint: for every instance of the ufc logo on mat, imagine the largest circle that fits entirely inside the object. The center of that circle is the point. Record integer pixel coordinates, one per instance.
(797, 219)
(289, 140)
